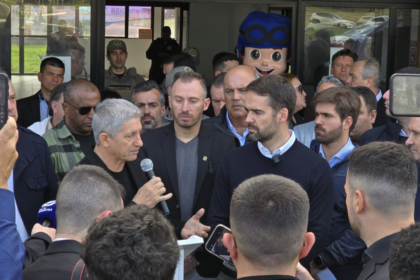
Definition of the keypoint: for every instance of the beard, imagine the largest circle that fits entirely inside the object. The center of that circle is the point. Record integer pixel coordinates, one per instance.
(264, 135)
(328, 137)
(150, 125)
(184, 124)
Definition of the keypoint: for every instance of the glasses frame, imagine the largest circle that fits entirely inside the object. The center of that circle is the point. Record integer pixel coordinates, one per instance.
(82, 109)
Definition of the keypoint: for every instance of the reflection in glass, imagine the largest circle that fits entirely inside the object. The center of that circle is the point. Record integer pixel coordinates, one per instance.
(114, 21)
(407, 45)
(170, 20)
(405, 94)
(139, 18)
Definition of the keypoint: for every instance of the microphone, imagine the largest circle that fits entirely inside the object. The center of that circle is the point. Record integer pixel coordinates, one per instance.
(147, 167)
(276, 158)
(46, 214)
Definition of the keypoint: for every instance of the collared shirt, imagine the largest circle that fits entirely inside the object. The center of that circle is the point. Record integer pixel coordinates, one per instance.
(241, 138)
(402, 132)
(379, 96)
(338, 157)
(43, 106)
(376, 247)
(265, 152)
(65, 149)
(18, 218)
(61, 239)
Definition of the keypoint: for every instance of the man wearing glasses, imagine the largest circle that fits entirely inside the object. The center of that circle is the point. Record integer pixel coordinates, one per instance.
(72, 137)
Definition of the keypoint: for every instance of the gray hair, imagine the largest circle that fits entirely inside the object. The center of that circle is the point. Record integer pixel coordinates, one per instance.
(110, 116)
(331, 80)
(371, 69)
(188, 77)
(85, 192)
(148, 86)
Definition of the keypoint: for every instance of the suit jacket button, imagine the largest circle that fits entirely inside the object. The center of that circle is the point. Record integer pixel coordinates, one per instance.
(177, 206)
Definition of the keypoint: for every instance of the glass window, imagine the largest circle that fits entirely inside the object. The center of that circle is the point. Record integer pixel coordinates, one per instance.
(115, 21)
(139, 18)
(407, 47)
(169, 19)
(330, 29)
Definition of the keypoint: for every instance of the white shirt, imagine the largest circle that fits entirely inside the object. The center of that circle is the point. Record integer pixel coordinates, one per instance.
(241, 138)
(379, 96)
(265, 152)
(18, 218)
(61, 239)
(41, 127)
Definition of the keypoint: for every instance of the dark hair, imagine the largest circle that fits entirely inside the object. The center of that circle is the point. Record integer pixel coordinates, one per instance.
(166, 29)
(347, 102)
(277, 208)
(344, 52)
(368, 96)
(220, 59)
(387, 173)
(56, 95)
(409, 70)
(137, 242)
(51, 61)
(281, 93)
(218, 81)
(185, 59)
(405, 255)
(148, 86)
(109, 93)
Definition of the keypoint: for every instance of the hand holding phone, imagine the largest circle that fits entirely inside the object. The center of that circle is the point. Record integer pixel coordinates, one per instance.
(215, 244)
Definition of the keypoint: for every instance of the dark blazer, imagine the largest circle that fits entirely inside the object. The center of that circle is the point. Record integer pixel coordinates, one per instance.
(57, 263)
(159, 146)
(28, 110)
(34, 177)
(381, 117)
(35, 247)
(389, 132)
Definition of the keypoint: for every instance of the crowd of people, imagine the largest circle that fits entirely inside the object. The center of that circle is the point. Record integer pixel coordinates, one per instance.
(332, 196)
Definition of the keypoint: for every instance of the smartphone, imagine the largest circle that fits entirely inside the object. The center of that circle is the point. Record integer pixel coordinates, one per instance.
(4, 99)
(404, 95)
(215, 245)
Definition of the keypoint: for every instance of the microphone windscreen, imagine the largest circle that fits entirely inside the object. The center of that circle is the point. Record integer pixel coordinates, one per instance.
(146, 165)
(47, 212)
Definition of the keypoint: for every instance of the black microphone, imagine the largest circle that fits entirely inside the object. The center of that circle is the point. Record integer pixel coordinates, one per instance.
(147, 167)
(276, 158)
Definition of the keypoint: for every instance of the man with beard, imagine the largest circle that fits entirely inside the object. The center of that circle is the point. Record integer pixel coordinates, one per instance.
(186, 154)
(270, 103)
(150, 100)
(337, 110)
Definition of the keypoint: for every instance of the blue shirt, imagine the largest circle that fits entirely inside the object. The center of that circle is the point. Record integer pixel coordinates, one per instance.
(338, 157)
(242, 139)
(43, 107)
(18, 218)
(266, 152)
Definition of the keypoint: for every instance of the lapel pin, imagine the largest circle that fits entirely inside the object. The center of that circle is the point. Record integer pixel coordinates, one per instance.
(204, 158)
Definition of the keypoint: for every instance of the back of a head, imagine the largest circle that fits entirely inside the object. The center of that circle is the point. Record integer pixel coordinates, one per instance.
(404, 260)
(281, 93)
(346, 101)
(135, 243)
(185, 59)
(371, 69)
(289, 76)
(77, 85)
(85, 192)
(277, 208)
(56, 95)
(409, 70)
(344, 52)
(331, 80)
(368, 96)
(220, 59)
(107, 93)
(51, 61)
(386, 172)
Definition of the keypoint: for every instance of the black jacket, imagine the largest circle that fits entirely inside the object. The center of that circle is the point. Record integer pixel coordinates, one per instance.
(57, 263)
(221, 124)
(389, 132)
(381, 117)
(156, 47)
(28, 110)
(35, 247)
(159, 146)
(34, 178)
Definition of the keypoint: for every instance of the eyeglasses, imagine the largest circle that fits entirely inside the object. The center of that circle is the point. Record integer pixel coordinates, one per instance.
(299, 88)
(82, 110)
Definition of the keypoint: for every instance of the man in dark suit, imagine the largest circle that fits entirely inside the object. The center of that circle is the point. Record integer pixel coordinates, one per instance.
(32, 181)
(380, 200)
(34, 108)
(87, 194)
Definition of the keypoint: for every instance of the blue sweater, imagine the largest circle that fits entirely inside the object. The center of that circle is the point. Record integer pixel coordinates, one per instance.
(298, 163)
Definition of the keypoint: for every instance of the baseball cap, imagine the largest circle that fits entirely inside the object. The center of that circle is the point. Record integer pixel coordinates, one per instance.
(194, 53)
(116, 44)
(170, 77)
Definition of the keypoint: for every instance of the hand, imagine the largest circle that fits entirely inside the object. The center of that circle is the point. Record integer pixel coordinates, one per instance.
(194, 227)
(189, 264)
(150, 193)
(49, 231)
(314, 270)
(302, 273)
(8, 139)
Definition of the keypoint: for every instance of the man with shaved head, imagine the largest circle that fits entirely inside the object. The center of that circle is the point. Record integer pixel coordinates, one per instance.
(72, 137)
(231, 119)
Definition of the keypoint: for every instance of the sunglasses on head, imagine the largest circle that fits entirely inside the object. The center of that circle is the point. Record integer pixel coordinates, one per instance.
(82, 110)
(299, 88)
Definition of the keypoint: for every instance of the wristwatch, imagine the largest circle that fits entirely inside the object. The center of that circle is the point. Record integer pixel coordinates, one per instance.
(319, 263)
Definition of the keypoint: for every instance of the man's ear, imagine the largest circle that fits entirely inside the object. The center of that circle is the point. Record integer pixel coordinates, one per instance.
(282, 115)
(65, 107)
(206, 103)
(347, 122)
(359, 201)
(307, 245)
(169, 100)
(104, 139)
(162, 110)
(229, 243)
(39, 76)
(369, 82)
(372, 116)
(217, 73)
(103, 215)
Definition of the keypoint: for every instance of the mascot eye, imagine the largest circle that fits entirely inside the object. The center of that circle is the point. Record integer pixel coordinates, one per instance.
(254, 54)
(276, 56)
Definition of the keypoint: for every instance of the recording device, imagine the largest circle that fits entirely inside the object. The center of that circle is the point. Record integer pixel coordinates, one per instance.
(215, 245)
(4, 99)
(404, 95)
(46, 214)
(147, 167)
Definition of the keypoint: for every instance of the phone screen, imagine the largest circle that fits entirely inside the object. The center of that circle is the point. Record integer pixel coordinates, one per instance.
(215, 244)
(4, 98)
(405, 95)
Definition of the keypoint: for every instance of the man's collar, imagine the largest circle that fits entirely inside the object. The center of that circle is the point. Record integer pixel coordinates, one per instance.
(379, 95)
(232, 128)
(62, 131)
(112, 72)
(280, 151)
(342, 154)
(377, 247)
